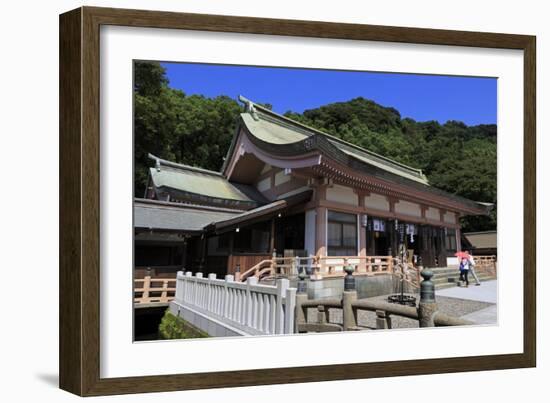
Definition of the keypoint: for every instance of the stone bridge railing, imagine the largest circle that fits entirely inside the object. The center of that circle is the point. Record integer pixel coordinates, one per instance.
(426, 313)
(230, 308)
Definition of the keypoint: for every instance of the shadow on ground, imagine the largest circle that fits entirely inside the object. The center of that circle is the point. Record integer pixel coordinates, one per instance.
(49, 379)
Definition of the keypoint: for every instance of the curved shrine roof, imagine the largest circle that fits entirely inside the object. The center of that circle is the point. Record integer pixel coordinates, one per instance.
(272, 128)
(282, 136)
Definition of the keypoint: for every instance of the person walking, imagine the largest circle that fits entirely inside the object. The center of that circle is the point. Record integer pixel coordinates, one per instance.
(472, 270)
(464, 268)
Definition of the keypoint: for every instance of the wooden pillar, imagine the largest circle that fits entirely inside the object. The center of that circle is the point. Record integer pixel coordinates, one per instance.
(203, 253)
(394, 232)
(362, 230)
(321, 217)
(393, 235)
(272, 237)
(458, 235)
(443, 254)
(321, 231)
(362, 239)
(184, 253)
(231, 242)
(426, 246)
(371, 251)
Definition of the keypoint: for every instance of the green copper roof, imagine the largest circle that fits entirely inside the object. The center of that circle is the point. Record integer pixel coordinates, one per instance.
(272, 132)
(279, 130)
(154, 214)
(196, 181)
(380, 162)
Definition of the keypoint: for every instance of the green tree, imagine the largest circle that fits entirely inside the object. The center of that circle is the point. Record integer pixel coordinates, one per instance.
(196, 130)
(192, 130)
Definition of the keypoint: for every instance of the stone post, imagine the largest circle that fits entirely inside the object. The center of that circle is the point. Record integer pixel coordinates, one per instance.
(301, 297)
(383, 320)
(211, 302)
(250, 318)
(227, 312)
(350, 296)
(188, 288)
(179, 286)
(198, 290)
(427, 306)
(282, 285)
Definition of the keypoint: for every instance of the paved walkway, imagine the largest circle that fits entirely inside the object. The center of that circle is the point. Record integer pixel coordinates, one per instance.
(487, 316)
(486, 292)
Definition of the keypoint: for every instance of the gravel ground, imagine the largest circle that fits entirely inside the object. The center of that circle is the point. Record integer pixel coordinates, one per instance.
(451, 306)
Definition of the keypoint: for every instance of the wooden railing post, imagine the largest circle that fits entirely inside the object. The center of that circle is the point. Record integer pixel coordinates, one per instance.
(146, 286)
(274, 262)
(238, 272)
(164, 292)
(362, 267)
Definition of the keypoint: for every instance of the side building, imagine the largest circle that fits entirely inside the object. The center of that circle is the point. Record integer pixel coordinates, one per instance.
(291, 190)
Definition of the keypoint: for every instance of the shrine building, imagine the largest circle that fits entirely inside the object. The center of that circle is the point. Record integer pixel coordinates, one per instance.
(291, 190)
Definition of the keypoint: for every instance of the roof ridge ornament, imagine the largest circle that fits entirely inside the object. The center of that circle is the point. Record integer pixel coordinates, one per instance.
(249, 105)
(157, 161)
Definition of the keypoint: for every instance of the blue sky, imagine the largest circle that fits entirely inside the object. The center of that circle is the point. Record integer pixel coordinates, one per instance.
(472, 100)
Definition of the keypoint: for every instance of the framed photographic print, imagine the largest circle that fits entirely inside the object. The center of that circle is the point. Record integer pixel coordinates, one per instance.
(237, 193)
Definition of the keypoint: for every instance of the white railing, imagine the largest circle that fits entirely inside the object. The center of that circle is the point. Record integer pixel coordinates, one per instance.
(250, 307)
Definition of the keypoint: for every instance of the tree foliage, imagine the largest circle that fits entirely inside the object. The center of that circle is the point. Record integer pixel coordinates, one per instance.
(196, 130)
(193, 130)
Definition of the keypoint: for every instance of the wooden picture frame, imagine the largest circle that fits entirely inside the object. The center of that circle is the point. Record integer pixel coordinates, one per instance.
(80, 199)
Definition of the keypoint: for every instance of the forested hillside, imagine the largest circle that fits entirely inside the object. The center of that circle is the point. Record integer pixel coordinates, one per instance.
(196, 130)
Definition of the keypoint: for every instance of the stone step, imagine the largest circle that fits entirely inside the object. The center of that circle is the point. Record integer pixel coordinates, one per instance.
(444, 269)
